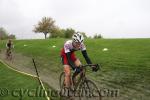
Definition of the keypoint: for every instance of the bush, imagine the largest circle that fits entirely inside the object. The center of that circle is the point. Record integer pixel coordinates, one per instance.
(64, 33)
(97, 36)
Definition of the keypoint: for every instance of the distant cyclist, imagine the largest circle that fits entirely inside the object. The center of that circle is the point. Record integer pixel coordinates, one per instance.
(9, 46)
(69, 59)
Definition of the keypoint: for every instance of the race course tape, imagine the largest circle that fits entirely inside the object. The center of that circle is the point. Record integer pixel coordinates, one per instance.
(17, 70)
(8, 66)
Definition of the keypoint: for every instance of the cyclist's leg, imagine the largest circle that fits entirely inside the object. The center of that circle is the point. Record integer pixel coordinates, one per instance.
(10, 55)
(67, 76)
(75, 59)
(66, 69)
(77, 64)
(7, 50)
(7, 53)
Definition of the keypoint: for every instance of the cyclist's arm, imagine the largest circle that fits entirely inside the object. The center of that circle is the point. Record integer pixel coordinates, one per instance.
(85, 55)
(6, 45)
(71, 63)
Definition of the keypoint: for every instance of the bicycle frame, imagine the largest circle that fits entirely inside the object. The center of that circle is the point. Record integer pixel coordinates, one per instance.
(82, 77)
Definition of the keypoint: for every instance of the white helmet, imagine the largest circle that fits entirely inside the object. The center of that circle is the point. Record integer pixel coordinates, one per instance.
(77, 37)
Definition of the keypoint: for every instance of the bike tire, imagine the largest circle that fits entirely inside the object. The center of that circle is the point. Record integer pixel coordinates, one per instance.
(90, 90)
(61, 80)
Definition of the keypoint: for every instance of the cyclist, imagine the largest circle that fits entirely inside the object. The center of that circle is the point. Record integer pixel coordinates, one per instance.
(9, 46)
(69, 59)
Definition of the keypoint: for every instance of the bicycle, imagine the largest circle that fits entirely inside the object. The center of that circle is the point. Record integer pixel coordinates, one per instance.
(8, 54)
(84, 88)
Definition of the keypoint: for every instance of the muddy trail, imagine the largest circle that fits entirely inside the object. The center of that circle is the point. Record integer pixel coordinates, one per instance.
(25, 64)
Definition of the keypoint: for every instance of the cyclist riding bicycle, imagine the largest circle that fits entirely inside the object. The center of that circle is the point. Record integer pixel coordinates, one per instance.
(69, 59)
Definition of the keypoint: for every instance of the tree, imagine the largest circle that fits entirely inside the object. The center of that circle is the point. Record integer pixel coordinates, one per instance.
(12, 36)
(57, 32)
(69, 32)
(96, 36)
(84, 34)
(46, 25)
(3, 33)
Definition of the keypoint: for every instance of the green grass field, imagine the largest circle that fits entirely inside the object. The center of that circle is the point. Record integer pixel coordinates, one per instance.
(125, 66)
(12, 83)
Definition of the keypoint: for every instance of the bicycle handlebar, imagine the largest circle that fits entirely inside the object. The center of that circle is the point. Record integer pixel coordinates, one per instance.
(96, 65)
(90, 65)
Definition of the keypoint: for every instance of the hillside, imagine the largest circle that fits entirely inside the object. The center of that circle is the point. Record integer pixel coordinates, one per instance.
(125, 66)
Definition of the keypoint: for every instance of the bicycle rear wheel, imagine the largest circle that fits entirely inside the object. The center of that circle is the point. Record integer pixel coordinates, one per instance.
(89, 91)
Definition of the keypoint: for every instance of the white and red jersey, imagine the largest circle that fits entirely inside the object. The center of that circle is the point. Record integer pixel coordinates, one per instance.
(68, 47)
(68, 55)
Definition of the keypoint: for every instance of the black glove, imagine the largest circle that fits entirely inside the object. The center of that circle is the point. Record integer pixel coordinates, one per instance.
(95, 68)
(78, 69)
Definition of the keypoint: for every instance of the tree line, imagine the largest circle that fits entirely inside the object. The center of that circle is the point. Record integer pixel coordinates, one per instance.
(47, 26)
(5, 35)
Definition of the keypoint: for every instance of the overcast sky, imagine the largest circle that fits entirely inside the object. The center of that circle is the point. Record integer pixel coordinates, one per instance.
(111, 18)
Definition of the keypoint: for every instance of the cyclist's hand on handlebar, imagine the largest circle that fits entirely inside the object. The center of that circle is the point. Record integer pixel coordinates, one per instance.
(78, 69)
(95, 68)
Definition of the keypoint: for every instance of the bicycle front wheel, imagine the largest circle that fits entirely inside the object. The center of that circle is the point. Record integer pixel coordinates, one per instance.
(61, 80)
(89, 91)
